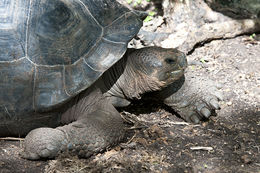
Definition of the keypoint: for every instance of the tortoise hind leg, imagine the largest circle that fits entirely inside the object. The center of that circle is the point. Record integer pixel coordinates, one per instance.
(90, 134)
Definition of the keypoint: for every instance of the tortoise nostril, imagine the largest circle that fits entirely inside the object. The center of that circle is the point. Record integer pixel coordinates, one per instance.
(170, 61)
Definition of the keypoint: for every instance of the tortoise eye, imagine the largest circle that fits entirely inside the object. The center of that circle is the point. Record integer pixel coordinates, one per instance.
(170, 61)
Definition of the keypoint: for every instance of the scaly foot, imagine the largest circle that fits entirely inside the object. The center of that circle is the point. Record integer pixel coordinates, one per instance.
(194, 98)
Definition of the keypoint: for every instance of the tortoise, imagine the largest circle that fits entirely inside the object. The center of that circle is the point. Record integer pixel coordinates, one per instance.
(65, 66)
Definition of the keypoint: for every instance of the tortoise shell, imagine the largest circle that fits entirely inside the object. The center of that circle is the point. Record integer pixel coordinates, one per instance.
(50, 50)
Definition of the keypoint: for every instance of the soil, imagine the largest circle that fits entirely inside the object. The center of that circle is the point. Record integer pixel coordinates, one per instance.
(162, 142)
(159, 141)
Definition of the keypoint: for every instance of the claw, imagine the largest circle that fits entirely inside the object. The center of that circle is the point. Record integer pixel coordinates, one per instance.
(205, 112)
(218, 95)
(195, 119)
(214, 104)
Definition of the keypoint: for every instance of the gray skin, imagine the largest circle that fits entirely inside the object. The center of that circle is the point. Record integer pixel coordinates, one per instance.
(93, 123)
(63, 70)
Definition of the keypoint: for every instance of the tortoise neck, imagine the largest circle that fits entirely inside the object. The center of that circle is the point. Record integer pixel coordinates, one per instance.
(127, 78)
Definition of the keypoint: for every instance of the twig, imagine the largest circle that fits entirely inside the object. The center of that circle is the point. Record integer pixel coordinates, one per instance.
(202, 148)
(130, 140)
(12, 139)
(83, 168)
(179, 123)
(258, 164)
(140, 127)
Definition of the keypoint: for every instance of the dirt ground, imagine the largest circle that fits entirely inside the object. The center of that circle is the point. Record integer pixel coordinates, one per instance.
(158, 140)
(162, 142)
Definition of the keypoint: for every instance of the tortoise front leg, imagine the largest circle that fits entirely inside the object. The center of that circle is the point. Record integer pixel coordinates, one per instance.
(193, 97)
(89, 134)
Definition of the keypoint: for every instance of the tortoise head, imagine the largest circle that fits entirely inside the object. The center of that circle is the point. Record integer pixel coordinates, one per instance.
(161, 64)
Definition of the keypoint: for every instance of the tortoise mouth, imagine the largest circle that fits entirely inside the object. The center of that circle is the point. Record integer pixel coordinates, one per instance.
(175, 75)
(171, 76)
(179, 72)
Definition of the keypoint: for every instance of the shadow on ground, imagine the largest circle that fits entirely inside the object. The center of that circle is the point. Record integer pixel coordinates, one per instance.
(162, 142)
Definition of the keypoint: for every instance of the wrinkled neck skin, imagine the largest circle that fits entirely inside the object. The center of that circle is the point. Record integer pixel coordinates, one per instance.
(127, 79)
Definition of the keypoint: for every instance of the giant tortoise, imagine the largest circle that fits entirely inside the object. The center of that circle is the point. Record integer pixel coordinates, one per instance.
(64, 67)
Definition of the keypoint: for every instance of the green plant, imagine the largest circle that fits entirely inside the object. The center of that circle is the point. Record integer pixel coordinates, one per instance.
(135, 3)
(150, 16)
(252, 36)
